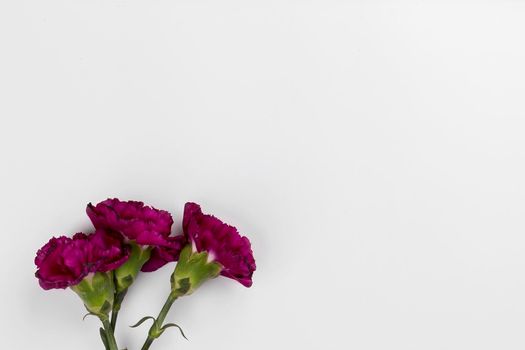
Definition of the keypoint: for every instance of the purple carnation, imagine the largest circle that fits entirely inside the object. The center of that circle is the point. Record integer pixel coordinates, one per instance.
(64, 261)
(143, 224)
(223, 243)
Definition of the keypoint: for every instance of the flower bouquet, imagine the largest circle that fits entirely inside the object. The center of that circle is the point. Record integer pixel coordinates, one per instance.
(130, 237)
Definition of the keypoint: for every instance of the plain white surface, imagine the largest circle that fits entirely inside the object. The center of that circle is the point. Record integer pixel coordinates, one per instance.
(373, 152)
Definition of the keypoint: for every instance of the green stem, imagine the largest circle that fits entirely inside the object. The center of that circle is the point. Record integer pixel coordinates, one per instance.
(119, 297)
(155, 329)
(147, 343)
(110, 337)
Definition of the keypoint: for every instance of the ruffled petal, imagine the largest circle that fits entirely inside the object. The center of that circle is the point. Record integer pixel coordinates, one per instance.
(136, 221)
(64, 262)
(161, 255)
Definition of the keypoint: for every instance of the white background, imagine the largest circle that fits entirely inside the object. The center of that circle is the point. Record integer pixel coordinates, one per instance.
(372, 151)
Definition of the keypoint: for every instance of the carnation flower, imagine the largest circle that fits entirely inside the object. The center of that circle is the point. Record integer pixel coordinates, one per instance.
(222, 242)
(63, 262)
(85, 264)
(144, 227)
(213, 248)
(143, 224)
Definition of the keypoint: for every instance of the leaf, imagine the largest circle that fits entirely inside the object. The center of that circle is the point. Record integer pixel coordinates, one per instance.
(88, 314)
(142, 320)
(173, 325)
(104, 339)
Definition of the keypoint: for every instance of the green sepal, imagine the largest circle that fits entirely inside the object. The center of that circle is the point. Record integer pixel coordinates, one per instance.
(126, 274)
(97, 291)
(192, 270)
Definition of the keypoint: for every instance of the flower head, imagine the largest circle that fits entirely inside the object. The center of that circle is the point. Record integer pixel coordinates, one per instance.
(63, 262)
(222, 242)
(137, 222)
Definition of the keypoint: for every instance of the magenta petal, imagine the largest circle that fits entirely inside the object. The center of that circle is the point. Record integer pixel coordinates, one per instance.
(191, 210)
(64, 262)
(143, 224)
(110, 249)
(161, 255)
(49, 247)
(222, 241)
(152, 238)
